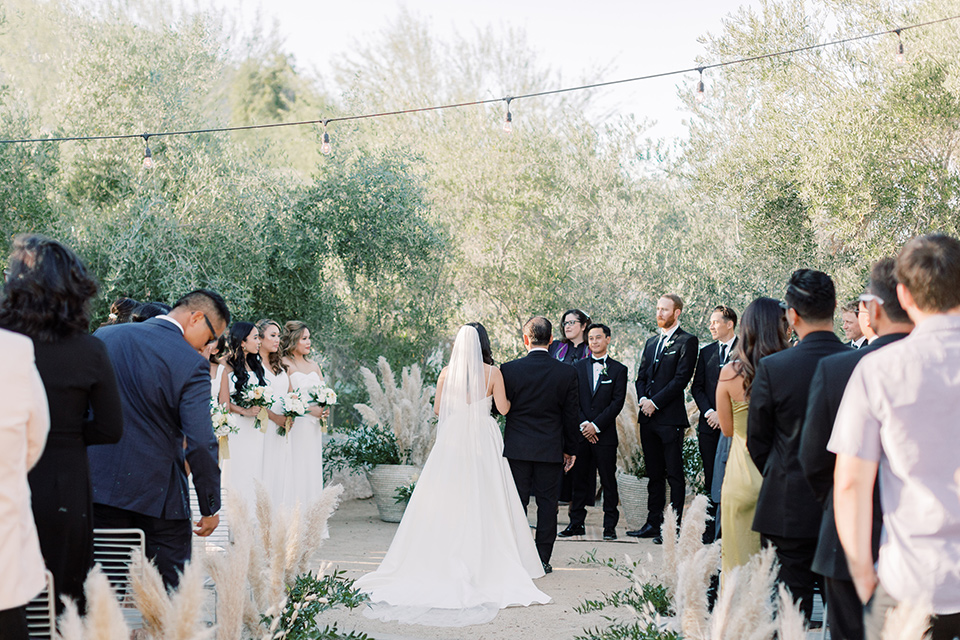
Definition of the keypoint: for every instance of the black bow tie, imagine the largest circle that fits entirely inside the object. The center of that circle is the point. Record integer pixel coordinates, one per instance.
(600, 361)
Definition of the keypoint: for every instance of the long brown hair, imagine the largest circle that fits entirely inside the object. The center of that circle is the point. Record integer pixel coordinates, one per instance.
(290, 336)
(763, 330)
(275, 363)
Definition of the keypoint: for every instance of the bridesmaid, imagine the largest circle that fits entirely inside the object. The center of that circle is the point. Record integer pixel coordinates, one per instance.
(277, 474)
(306, 438)
(243, 366)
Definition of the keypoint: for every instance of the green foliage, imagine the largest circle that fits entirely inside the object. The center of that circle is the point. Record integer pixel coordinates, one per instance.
(693, 465)
(362, 448)
(307, 598)
(634, 631)
(403, 493)
(637, 465)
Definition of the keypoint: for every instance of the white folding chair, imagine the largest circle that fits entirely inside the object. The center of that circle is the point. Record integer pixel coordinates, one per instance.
(42, 612)
(115, 551)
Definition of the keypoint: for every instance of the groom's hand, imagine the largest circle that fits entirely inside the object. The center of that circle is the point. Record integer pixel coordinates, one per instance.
(206, 525)
(568, 462)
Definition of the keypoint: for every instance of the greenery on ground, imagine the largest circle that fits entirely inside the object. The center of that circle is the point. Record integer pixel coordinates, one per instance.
(309, 597)
(827, 158)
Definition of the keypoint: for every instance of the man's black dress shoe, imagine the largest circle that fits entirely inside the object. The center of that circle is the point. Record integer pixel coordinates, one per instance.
(646, 531)
(573, 531)
(658, 540)
(609, 534)
(547, 568)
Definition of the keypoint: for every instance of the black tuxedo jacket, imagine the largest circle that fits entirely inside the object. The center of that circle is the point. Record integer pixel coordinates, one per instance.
(778, 404)
(602, 405)
(705, 378)
(543, 421)
(165, 391)
(663, 382)
(826, 392)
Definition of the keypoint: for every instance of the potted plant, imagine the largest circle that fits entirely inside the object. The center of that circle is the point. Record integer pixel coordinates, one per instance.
(397, 431)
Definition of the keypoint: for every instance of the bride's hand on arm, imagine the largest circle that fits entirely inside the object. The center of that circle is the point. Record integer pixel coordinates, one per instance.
(499, 391)
(436, 399)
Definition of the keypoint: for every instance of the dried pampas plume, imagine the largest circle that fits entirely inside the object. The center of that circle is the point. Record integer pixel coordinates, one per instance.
(670, 559)
(745, 609)
(176, 616)
(104, 619)
(70, 624)
(150, 595)
(907, 621)
(229, 574)
(628, 431)
(790, 623)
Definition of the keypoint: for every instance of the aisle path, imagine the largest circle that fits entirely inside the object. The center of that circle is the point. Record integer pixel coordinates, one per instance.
(359, 540)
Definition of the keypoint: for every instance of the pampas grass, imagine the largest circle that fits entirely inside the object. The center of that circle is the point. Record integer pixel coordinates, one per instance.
(628, 431)
(406, 409)
(670, 560)
(790, 622)
(907, 621)
(744, 610)
(176, 616)
(229, 573)
(70, 624)
(150, 595)
(104, 619)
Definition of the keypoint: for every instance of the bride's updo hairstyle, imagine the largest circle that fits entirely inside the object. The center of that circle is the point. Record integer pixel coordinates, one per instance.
(290, 337)
(276, 362)
(485, 350)
(238, 333)
(47, 291)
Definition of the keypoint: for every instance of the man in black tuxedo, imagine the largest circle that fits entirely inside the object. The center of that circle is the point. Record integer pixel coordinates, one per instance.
(539, 439)
(788, 515)
(723, 324)
(666, 367)
(891, 323)
(850, 321)
(603, 388)
(141, 482)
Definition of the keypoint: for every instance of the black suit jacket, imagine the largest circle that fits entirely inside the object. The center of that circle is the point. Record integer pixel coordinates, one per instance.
(663, 382)
(705, 378)
(542, 423)
(165, 390)
(826, 391)
(602, 405)
(778, 404)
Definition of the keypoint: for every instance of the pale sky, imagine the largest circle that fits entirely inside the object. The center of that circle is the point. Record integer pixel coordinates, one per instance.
(639, 38)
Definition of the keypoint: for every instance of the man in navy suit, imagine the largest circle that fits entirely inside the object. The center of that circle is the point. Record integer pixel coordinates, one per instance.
(141, 482)
(603, 388)
(539, 438)
(666, 366)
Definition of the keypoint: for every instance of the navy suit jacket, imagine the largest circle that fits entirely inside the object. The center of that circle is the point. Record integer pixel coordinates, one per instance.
(165, 390)
(602, 405)
(542, 423)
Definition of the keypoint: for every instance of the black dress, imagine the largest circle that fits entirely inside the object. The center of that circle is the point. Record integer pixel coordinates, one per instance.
(84, 410)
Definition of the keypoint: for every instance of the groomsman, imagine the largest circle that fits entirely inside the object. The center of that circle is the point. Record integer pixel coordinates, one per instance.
(850, 315)
(603, 389)
(723, 323)
(666, 367)
(788, 515)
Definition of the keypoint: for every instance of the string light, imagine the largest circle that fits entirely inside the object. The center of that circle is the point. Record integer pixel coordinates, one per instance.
(901, 58)
(147, 156)
(325, 148)
(508, 123)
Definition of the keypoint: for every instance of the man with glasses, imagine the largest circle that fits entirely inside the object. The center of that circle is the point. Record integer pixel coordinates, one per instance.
(141, 481)
(891, 323)
(788, 515)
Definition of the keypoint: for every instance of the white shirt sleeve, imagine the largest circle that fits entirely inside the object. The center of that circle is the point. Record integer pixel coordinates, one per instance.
(856, 430)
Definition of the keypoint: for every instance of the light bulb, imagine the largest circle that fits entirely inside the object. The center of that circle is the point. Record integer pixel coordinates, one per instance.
(901, 58)
(700, 91)
(508, 123)
(147, 159)
(325, 148)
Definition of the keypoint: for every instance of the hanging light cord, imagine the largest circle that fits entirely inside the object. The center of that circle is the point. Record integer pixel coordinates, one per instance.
(457, 105)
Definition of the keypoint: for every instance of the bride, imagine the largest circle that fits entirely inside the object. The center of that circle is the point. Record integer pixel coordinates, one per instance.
(463, 550)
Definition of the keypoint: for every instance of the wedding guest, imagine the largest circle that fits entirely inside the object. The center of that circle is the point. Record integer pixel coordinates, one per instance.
(666, 366)
(863, 318)
(47, 298)
(243, 367)
(149, 310)
(851, 324)
(712, 358)
(826, 392)
(788, 515)
(573, 346)
(306, 436)
(763, 331)
(277, 470)
(121, 311)
(23, 430)
(141, 481)
(602, 383)
(899, 415)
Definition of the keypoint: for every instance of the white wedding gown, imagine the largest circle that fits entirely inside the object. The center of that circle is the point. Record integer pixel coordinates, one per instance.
(463, 550)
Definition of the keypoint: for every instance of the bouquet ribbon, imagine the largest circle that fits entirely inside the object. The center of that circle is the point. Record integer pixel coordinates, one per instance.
(287, 424)
(262, 418)
(224, 445)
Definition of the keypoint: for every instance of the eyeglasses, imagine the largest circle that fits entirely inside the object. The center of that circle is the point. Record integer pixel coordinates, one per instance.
(213, 333)
(571, 323)
(867, 297)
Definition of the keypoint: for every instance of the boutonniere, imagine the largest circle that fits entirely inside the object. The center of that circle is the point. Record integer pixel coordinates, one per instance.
(603, 370)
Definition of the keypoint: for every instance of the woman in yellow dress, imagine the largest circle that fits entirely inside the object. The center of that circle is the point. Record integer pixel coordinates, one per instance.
(763, 330)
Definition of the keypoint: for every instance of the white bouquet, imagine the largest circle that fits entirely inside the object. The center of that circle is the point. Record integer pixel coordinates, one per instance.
(223, 423)
(293, 406)
(256, 396)
(323, 396)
